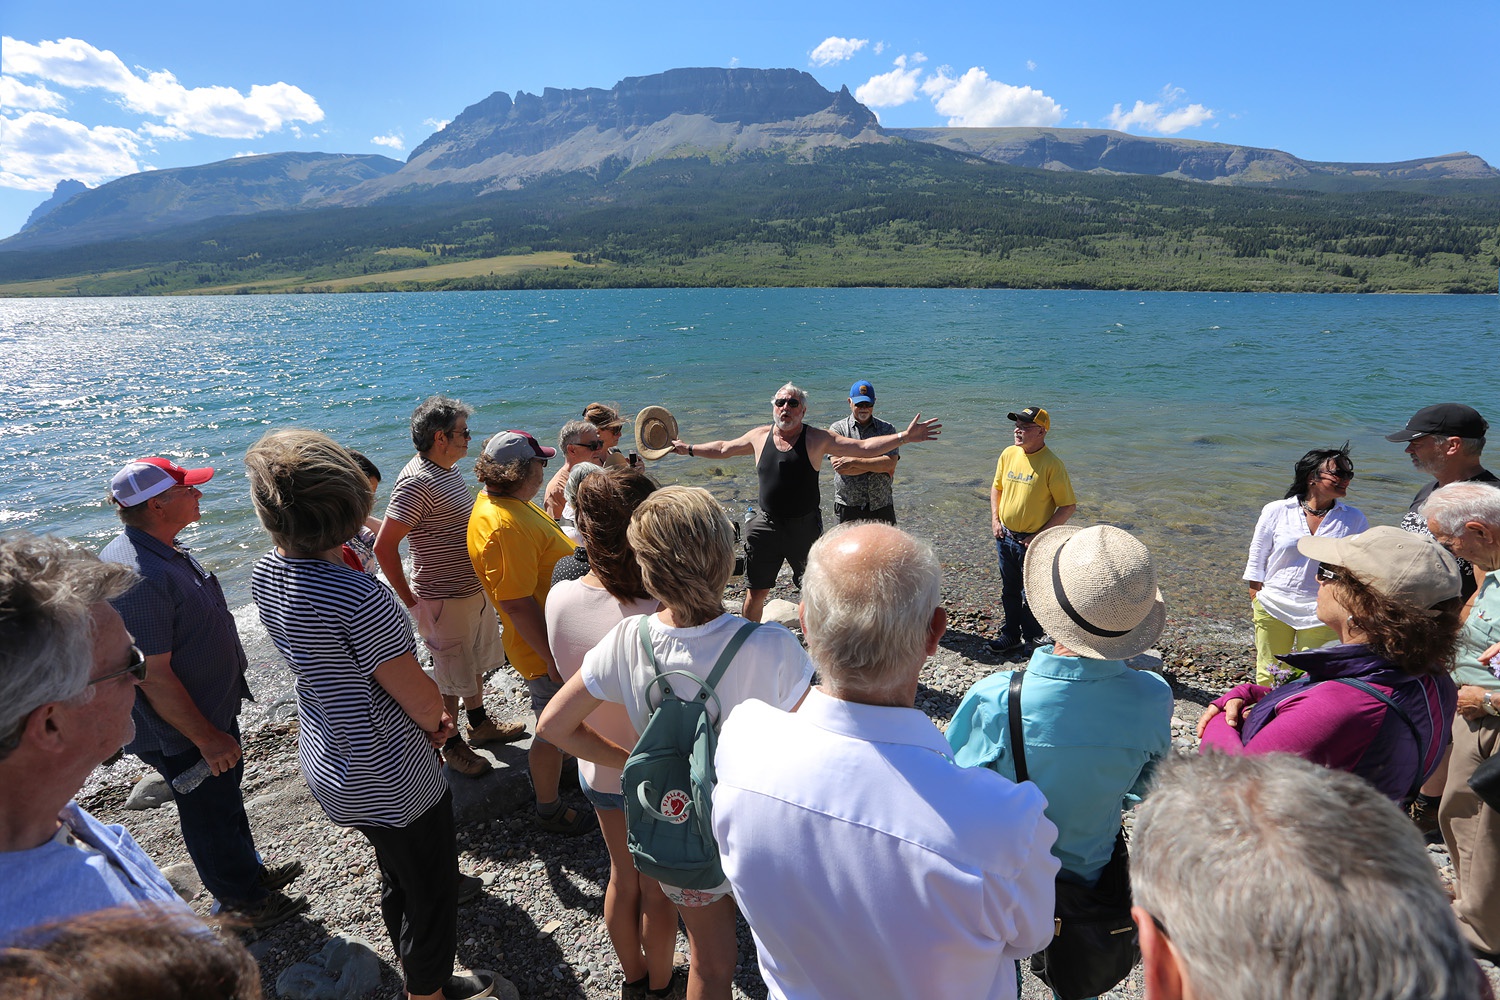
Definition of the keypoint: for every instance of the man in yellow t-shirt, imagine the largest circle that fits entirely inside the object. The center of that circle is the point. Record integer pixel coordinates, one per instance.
(1031, 493)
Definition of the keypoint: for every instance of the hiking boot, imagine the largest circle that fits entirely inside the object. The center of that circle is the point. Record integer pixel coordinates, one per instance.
(460, 757)
(488, 732)
(274, 877)
(558, 821)
(267, 913)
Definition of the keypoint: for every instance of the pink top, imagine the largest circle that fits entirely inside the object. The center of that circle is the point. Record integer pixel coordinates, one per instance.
(578, 616)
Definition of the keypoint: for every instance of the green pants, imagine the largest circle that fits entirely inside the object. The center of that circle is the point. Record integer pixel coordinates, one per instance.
(1274, 637)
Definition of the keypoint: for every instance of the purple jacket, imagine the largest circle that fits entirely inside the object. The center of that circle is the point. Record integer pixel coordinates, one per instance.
(1340, 726)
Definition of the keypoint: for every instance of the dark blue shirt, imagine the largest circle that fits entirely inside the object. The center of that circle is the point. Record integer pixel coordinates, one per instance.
(179, 608)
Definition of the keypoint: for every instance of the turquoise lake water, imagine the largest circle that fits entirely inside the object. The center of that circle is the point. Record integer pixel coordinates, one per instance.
(1178, 415)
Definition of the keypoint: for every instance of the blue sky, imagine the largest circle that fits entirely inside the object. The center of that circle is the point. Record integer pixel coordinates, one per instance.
(95, 89)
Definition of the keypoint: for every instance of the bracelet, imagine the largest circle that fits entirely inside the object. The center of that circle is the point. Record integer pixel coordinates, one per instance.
(690, 451)
(1489, 706)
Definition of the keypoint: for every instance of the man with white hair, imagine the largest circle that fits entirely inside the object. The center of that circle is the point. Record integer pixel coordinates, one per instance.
(788, 454)
(1272, 876)
(68, 675)
(1464, 517)
(865, 860)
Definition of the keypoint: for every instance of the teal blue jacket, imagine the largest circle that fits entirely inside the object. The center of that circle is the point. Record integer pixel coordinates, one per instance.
(1094, 731)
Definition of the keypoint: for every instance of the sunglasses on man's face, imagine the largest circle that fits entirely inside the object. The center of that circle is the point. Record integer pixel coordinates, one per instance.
(789, 401)
(136, 668)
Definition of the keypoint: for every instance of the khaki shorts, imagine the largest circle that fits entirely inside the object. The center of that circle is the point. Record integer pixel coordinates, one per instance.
(463, 636)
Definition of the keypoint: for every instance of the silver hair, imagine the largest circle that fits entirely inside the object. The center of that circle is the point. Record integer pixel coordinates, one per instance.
(570, 487)
(47, 588)
(794, 390)
(433, 414)
(1471, 447)
(868, 612)
(1456, 504)
(1276, 877)
(572, 431)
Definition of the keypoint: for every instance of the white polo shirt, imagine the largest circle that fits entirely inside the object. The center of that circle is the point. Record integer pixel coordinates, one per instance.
(869, 864)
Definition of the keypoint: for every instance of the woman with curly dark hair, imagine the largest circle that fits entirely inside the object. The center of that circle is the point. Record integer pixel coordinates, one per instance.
(1380, 702)
(1283, 593)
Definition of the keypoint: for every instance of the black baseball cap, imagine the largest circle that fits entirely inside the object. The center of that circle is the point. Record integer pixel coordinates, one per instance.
(1445, 419)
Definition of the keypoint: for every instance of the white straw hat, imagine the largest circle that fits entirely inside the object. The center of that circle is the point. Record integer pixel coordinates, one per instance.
(1094, 589)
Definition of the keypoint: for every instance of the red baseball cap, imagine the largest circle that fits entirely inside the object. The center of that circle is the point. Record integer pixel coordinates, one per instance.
(145, 478)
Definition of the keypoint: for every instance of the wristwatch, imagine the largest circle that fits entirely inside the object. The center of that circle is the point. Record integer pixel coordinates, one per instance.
(1489, 706)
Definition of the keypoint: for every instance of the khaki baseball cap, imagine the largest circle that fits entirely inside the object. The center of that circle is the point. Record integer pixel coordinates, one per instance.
(1399, 564)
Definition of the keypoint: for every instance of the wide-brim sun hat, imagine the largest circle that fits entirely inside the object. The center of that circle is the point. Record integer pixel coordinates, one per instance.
(1094, 590)
(655, 430)
(1403, 566)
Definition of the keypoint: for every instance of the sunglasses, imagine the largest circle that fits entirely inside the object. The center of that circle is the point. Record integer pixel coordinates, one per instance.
(466, 434)
(590, 445)
(1338, 474)
(789, 401)
(1327, 573)
(136, 668)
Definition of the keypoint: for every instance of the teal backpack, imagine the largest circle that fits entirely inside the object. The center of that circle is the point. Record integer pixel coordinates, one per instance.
(668, 781)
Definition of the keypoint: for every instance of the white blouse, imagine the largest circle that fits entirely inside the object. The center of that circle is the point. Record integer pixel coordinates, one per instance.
(1290, 591)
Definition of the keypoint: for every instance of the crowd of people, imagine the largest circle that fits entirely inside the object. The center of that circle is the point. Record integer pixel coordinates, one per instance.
(870, 852)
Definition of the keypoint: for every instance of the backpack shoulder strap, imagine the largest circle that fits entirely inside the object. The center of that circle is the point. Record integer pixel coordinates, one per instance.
(735, 642)
(1017, 731)
(1380, 695)
(644, 628)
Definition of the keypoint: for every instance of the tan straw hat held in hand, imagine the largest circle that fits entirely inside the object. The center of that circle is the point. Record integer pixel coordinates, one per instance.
(655, 429)
(1094, 590)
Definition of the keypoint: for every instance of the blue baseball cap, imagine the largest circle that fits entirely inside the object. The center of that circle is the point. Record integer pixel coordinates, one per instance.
(861, 392)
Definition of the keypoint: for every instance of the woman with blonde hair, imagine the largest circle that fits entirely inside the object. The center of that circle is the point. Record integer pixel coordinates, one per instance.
(684, 543)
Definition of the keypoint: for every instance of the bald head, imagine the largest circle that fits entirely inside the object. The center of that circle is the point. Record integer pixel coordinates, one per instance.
(871, 611)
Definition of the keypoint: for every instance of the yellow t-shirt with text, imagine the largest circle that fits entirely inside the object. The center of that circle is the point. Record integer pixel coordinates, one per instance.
(1031, 487)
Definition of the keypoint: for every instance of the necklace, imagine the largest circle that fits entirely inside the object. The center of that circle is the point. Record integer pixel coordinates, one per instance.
(1313, 510)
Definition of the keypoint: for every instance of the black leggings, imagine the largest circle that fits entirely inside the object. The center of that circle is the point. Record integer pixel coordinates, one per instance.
(419, 893)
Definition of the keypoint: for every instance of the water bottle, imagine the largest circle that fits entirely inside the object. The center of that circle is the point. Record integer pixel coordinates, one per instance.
(191, 778)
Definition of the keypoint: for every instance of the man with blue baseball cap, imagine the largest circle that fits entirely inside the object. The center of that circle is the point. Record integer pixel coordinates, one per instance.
(862, 485)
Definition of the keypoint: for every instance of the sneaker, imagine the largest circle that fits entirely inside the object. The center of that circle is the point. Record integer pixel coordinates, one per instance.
(274, 877)
(460, 757)
(267, 913)
(470, 985)
(1005, 646)
(469, 888)
(488, 732)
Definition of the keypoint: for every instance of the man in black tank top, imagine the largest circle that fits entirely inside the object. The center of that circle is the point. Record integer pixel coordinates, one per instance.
(788, 454)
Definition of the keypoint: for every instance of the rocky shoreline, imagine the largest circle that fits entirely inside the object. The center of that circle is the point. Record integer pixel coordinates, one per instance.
(539, 922)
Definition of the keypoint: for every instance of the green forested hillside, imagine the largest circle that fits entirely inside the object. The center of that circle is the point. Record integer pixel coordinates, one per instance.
(901, 214)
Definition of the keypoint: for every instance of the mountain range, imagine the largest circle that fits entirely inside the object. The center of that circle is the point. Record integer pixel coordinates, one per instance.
(725, 115)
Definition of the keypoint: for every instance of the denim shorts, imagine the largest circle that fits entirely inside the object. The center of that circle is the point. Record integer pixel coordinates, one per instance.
(601, 800)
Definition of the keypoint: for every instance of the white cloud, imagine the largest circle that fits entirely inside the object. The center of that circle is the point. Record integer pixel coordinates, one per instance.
(888, 90)
(37, 150)
(436, 124)
(217, 111)
(17, 96)
(976, 101)
(878, 48)
(734, 61)
(1031, 64)
(1160, 116)
(834, 49)
(393, 140)
(151, 130)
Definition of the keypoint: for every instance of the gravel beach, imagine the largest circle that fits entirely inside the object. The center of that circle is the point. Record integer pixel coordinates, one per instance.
(539, 922)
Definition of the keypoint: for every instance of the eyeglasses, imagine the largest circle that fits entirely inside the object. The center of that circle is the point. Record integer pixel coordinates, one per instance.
(136, 668)
(864, 406)
(1338, 474)
(1327, 573)
(590, 445)
(464, 433)
(791, 402)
